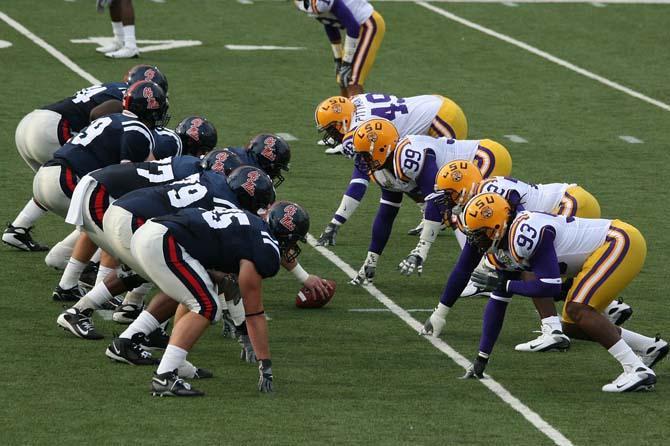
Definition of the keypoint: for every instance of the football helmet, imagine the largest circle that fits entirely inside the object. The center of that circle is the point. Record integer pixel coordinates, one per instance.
(272, 154)
(221, 161)
(253, 188)
(147, 100)
(485, 219)
(374, 141)
(333, 118)
(289, 224)
(458, 181)
(198, 135)
(146, 73)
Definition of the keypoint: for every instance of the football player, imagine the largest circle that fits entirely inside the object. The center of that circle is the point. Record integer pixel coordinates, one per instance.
(432, 115)
(364, 30)
(458, 181)
(409, 167)
(122, 14)
(602, 256)
(43, 131)
(177, 250)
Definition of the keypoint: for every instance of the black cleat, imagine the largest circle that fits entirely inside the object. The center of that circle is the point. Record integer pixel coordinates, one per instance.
(70, 295)
(169, 384)
(129, 351)
(202, 374)
(157, 339)
(88, 276)
(127, 313)
(113, 303)
(20, 238)
(79, 323)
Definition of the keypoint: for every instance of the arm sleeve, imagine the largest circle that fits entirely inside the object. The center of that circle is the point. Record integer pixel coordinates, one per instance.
(333, 34)
(544, 265)
(346, 18)
(458, 279)
(136, 145)
(389, 205)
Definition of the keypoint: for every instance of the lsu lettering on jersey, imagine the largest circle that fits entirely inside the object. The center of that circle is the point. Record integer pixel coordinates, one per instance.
(575, 240)
(328, 11)
(534, 197)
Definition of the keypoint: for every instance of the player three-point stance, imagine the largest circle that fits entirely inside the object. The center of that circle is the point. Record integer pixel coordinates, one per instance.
(364, 30)
(602, 256)
(337, 116)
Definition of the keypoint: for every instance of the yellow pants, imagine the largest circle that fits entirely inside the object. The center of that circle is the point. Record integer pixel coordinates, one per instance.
(493, 159)
(370, 39)
(609, 269)
(578, 202)
(450, 121)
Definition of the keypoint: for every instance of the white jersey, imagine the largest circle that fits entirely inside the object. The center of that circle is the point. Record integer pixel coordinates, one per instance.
(534, 197)
(361, 10)
(576, 238)
(410, 116)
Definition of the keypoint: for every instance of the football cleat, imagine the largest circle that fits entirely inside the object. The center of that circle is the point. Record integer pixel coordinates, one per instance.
(110, 47)
(417, 230)
(640, 379)
(170, 384)
(127, 313)
(20, 238)
(88, 276)
(70, 295)
(548, 340)
(78, 323)
(129, 351)
(618, 312)
(124, 53)
(157, 339)
(655, 353)
(113, 303)
(337, 150)
(472, 290)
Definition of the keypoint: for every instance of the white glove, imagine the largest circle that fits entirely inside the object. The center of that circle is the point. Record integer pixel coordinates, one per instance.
(418, 256)
(413, 261)
(436, 322)
(366, 274)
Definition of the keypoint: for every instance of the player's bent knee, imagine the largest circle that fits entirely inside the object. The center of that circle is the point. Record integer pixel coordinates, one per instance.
(576, 311)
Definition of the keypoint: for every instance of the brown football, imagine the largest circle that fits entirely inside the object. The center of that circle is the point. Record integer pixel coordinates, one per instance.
(306, 299)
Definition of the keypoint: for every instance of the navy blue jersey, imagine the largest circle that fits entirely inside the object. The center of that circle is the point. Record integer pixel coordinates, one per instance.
(206, 190)
(168, 143)
(108, 140)
(119, 179)
(245, 156)
(77, 108)
(220, 238)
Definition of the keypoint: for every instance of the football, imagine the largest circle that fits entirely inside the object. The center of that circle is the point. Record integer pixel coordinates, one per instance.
(306, 299)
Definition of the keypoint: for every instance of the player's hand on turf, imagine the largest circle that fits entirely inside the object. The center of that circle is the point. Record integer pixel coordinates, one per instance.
(433, 325)
(328, 236)
(344, 74)
(366, 274)
(476, 370)
(338, 65)
(412, 262)
(317, 286)
(488, 280)
(247, 354)
(265, 378)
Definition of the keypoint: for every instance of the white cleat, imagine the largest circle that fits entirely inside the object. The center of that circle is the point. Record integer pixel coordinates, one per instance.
(124, 53)
(655, 353)
(337, 150)
(110, 47)
(433, 325)
(472, 290)
(618, 312)
(548, 340)
(640, 379)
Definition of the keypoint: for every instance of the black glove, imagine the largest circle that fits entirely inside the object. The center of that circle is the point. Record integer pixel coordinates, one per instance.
(265, 379)
(328, 236)
(476, 370)
(344, 74)
(338, 64)
(490, 281)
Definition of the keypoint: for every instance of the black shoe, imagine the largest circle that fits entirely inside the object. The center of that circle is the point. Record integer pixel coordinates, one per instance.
(88, 276)
(113, 303)
(20, 238)
(127, 313)
(129, 351)
(169, 384)
(70, 295)
(202, 374)
(79, 323)
(157, 339)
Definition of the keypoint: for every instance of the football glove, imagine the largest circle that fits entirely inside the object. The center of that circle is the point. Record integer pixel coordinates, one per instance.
(489, 281)
(229, 330)
(102, 4)
(338, 65)
(344, 74)
(412, 262)
(247, 354)
(366, 274)
(434, 324)
(328, 236)
(265, 378)
(476, 370)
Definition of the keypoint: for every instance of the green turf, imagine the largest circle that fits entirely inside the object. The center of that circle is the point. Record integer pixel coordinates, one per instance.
(345, 377)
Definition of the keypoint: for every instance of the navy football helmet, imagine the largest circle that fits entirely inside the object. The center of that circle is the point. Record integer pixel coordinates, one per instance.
(289, 224)
(198, 135)
(221, 161)
(146, 73)
(272, 154)
(253, 188)
(147, 100)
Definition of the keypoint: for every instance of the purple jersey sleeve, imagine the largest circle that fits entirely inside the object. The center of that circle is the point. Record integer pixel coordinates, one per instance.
(544, 265)
(426, 182)
(389, 205)
(333, 34)
(458, 279)
(346, 18)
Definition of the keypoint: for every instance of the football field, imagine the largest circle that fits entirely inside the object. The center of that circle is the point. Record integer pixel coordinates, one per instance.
(578, 92)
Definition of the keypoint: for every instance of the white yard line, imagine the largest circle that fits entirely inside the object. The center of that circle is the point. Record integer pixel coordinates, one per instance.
(517, 2)
(630, 139)
(263, 48)
(516, 138)
(535, 419)
(545, 55)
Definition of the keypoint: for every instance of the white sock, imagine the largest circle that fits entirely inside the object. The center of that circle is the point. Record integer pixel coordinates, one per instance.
(145, 323)
(117, 29)
(129, 40)
(553, 321)
(30, 213)
(172, 359)
(96, 256)
(636, 341)
(625, 355)
(95, 298)
(186, 370)
(70, 276)
(103, 271)
(136, 296)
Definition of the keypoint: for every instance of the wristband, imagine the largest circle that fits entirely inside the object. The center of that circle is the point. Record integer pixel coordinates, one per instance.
(300, 273)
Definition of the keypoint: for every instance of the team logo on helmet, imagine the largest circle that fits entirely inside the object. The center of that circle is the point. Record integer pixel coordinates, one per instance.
(337, 108)
(250, 184)
(487, 212)
(193, 132)
(287, 219)
(373, 137)
(457, 176)
(149, 74)
(148, 94)
(219, 161)
(268, 145)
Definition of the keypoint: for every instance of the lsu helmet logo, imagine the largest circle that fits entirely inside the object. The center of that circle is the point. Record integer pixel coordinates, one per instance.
(287, 219)
(250, 184)
(149, 74)
(457, 176)
(193, 133)
(152, 103)
(487, 212)
(268, 145)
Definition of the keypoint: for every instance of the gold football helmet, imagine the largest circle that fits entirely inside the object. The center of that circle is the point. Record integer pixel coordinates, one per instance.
(458, 180)
(333, 118)
(375, 140)
(485, 219)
